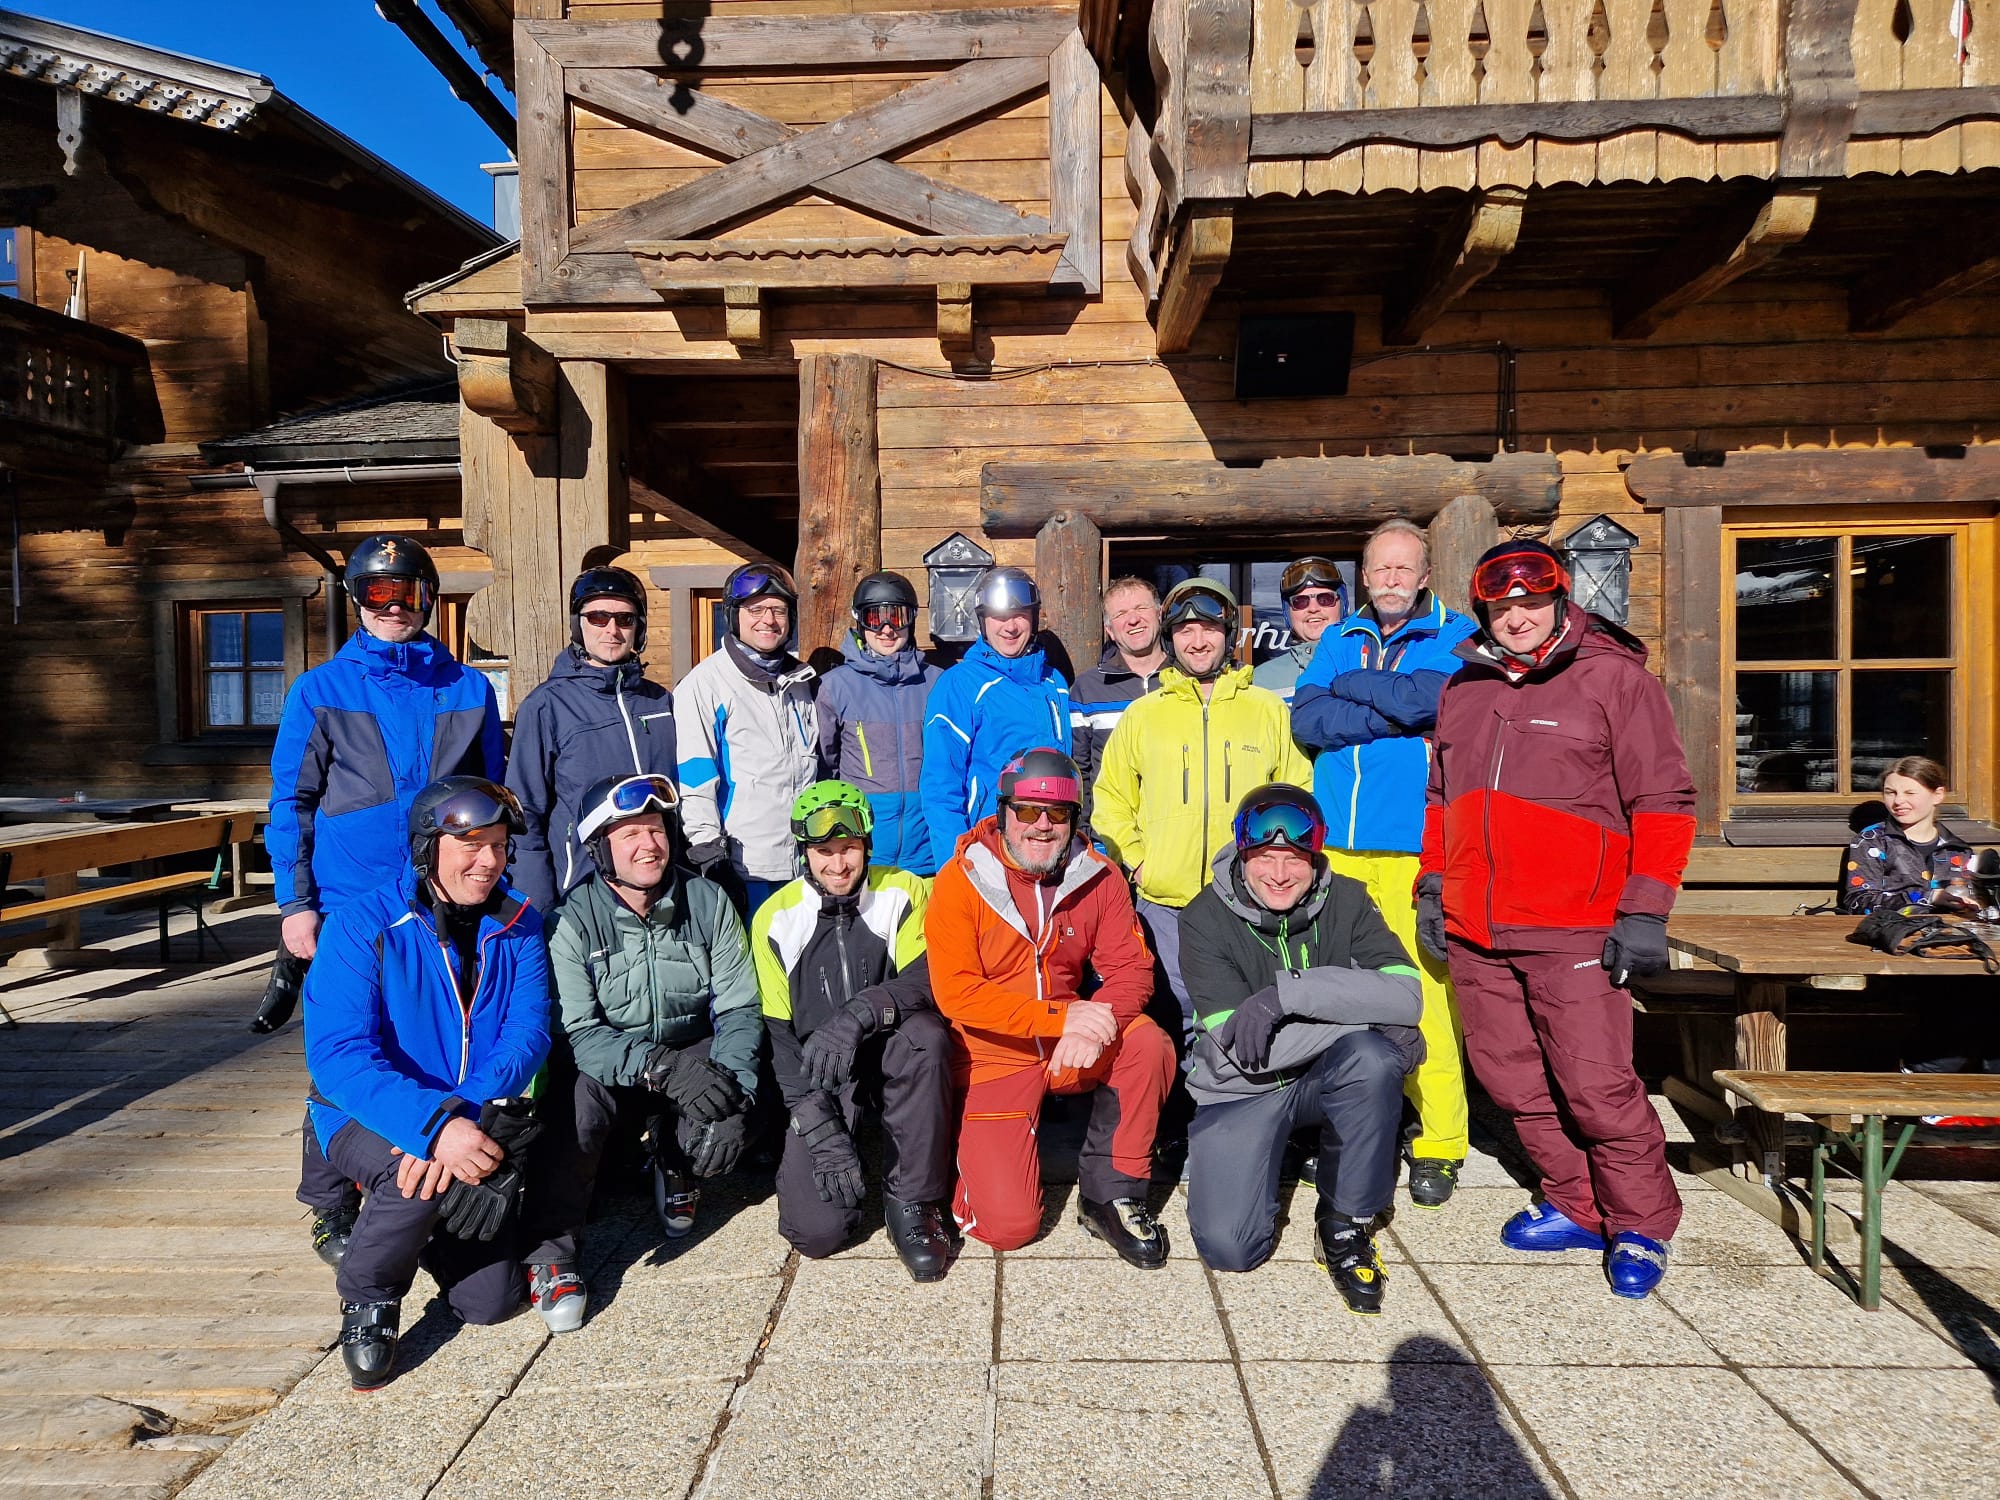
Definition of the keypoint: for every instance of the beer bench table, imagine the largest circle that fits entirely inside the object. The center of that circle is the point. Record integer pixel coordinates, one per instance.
(1833, 1102)
(57, 857)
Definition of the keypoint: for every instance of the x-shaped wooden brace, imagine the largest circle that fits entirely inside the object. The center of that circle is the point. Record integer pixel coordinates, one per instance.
(770, 162)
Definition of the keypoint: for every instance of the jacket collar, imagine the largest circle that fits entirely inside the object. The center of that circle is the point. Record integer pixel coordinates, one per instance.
(572, 665)
(986, 869)
(503, 916)
(790, 670)
(666, 911)
(1112, 664)
(1426, 617)
(380, 658)
(906, 665)
(1030, 666)
(1229, 887)
(1228, 683)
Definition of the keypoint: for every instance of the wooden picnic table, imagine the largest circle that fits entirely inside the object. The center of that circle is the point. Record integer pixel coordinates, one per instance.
(84, 810)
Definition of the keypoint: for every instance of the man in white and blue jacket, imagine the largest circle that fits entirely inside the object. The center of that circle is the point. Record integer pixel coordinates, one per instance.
(428, 1005)
(1365, 707)
(1002, 698)
(360, 736)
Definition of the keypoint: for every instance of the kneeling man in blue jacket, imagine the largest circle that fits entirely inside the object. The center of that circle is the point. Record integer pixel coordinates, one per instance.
(427, 1015)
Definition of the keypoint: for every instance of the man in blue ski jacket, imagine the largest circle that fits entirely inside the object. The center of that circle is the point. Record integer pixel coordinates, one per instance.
(596, 714)
(360, 736)
(1365, 707)
(1001, 699)
(427, 1015)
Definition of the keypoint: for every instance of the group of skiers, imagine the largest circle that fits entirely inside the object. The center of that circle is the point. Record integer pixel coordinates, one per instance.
(1260, 917)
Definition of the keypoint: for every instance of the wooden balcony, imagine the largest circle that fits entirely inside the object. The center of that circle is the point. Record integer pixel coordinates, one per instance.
(67, 392)
(1657, 148)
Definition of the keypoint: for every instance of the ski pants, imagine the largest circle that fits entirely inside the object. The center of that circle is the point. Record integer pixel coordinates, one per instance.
(908, 1072)
(1437, 1086)
(1551, 1041)
(482, 1279)
(999, 1197)
(1353, 1092)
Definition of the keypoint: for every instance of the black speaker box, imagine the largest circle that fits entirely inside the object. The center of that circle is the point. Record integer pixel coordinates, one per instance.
(1293, 354)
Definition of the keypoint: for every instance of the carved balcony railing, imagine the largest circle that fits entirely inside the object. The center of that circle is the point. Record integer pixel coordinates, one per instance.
(66, 389)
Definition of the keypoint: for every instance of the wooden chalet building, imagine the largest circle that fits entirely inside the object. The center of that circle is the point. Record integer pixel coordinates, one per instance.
(208, 379)
(832, 285)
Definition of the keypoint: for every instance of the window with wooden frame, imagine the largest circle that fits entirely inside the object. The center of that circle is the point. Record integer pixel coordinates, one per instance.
(232, 673)
(1845, 648)
(10, 262)
(449, 626)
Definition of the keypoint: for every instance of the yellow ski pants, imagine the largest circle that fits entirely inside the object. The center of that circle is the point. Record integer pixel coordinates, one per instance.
(1437, 1088)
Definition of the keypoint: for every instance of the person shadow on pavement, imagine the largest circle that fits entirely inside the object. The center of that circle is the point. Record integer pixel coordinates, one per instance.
(1439, 1434)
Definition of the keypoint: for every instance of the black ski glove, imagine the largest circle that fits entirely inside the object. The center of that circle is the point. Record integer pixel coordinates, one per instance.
(714, 1147)
(712, 862)
(829, 1051)
(701, 1089)
(1430, 914)
(478, 1210)
(281, 993)
(1636, 947)
(1246, 1035)
(836, 1164)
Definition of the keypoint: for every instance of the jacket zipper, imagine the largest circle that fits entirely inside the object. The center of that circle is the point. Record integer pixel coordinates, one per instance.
(465, 1011)
(1204, 788)
(867, 760)
(1486, 819)
(618, 687)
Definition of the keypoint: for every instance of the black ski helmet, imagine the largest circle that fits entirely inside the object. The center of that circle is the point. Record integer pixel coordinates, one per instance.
(606, 583)
(753, 581)
(458, 805)
(389, 554)
(1510, 569)
(883, 588)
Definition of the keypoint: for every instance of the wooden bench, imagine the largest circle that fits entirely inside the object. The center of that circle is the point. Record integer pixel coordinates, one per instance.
(1833, 1102)
(58, 859)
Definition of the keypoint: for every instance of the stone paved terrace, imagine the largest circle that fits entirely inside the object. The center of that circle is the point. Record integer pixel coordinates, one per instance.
(168, 1324)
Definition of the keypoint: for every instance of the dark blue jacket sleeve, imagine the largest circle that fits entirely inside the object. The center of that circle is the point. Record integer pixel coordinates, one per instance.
(531, 776)
(299, 762)
(1321, 721)
(1408, 700)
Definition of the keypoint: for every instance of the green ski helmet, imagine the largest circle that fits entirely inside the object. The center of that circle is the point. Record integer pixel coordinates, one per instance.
(830, 810)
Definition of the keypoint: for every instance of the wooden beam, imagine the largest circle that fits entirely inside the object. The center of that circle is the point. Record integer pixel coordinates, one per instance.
(679, 490)
(592, 496)
(775, 173)
(1200, 255)
(1866, 476)
(545, 163)
(1966, 257)
(1076, 163)
(743, 316)
(840, 491)
(1215, 89)
(1459, 533)
(1069, 568)
(1319, 133)
(1709, 259)
(1691, 550)
(1820, 90)
(504, 375)
(954, 320)
(907, 260)
(788, 41)
(1281, 494)
(1484, 235)
(666, 108)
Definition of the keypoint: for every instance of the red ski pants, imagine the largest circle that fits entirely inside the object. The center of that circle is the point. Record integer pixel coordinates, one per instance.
(1551, 1041)
(999, 1197)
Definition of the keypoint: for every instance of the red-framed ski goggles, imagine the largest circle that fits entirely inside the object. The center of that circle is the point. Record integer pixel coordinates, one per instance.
(887, 617)
(384, 591)
(1513, 574)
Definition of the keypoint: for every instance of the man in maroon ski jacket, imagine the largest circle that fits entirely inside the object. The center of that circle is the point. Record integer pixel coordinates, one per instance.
(1558, 821)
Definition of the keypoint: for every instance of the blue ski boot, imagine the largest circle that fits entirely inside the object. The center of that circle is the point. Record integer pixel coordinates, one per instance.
(1636, 1264)
(1543, 1226)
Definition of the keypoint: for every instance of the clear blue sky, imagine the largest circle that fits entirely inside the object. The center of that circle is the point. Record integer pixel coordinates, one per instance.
(338, 59)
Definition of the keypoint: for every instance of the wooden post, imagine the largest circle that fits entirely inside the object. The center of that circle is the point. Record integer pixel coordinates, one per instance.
(840, 492)
(1760, 1047)
(1691, 581)
(485, 453)
(1458, 534)
(594, 500)
(1069, 568)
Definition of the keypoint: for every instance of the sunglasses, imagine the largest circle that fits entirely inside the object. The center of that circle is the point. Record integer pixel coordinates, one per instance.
(1518, 573)
(1306, 570)
(1314, 599)
(824, 823)
(1279, 823)
(601, 618)
(1033, 815)
(748, 585)
(381, 593)
(887, 617)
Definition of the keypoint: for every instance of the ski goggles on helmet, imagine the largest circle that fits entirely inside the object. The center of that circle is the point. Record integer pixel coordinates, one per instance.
(1310, 572)
(628, 799)
(831, 821)
(473, 808)
(381, 591)
(1279, 821)
(746, 584)
(1006, 593)
(886, 616)
(1198, 604)
(1513, 574)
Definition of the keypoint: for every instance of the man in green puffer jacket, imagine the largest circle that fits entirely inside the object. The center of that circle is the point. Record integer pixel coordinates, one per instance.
(658, 1005)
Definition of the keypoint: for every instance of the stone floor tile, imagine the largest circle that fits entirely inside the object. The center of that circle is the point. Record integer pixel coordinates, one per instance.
(382, 1445)
(858, 1311)
(1666, 1432)
(1289, 1310)
(806, 1432)
(1920, 1230)
(1717, 1230)
(1062, 1237)
(1415, 1430)
(553, 1446)
(730, 1239)
(1912, 1434)
(1670, 1118)
(1562, 1315)
(1777, 1315)
(1960, 1305)
(659, 1335)
(437, 1354)
(1977, 1201)
(1467, 1231)
(1105, 1309)
(1144, 1431)
(1485, 1168)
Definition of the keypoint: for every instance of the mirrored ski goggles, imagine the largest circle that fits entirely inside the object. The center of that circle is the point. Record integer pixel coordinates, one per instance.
(379, 592)
(824, 823)
(1306, 572)
(1198, 604)
(1006, 593)
(466, 812)
(887, 617)
(747, 585)
(1514, 573)
(1268, 823)
(629, 798)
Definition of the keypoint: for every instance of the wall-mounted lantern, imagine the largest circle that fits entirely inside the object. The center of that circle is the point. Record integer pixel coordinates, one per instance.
(954, 566)
(1599, 556)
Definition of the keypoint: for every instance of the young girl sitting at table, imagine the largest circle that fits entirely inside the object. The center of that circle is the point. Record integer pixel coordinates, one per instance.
(1891, 864)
